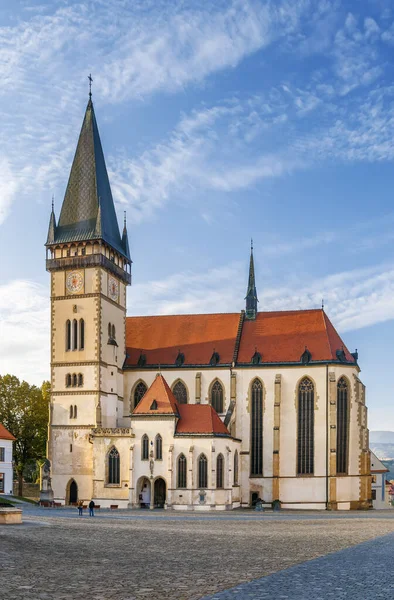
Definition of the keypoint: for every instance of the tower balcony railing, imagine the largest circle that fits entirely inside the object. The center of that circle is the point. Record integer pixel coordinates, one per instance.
(90, 260)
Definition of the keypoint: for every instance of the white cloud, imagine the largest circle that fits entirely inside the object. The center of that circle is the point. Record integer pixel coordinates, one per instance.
(24, 330)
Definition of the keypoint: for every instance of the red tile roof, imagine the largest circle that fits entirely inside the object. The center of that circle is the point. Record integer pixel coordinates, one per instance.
(160, 338)
(200, 419)
(280, 337)
(5, 434)
(160, 392)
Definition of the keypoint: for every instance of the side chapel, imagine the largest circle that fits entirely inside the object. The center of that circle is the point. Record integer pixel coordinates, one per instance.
(189, 412)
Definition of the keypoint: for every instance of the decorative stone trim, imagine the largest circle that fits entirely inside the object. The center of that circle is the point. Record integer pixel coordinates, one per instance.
(111, 431)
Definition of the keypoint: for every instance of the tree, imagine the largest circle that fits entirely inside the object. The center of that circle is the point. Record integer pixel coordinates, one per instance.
(24, 412)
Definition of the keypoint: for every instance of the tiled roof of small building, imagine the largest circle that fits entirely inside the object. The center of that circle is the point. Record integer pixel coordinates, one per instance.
(200, 419)
(279, 337)
(5, 434)
(159, 395)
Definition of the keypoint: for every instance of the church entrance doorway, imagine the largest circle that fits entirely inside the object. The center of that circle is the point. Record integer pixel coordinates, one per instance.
(144, 493)
(160, 493)
(72, 492)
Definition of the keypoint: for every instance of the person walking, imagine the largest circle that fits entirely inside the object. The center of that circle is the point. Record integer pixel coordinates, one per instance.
(91, 508)
(80, 508)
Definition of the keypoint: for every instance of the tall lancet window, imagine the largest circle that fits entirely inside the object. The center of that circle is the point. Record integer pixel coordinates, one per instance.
(217, 396)
(256, 418)
(220, 471)
(159, 447)
(113, 467)
(145, 447)
(306, 422)
(202, 471)
(180, 392)
(139, 392)
(342, 425)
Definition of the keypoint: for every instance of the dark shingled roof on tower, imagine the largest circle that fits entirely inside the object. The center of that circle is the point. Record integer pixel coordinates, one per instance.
(88, 211)
(280, 337)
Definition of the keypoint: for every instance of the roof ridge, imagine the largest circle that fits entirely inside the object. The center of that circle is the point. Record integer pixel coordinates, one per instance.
(238, 336)
(327, 334)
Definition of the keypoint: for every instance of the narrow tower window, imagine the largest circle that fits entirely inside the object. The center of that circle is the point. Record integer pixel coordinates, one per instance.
(342, 425)
(81, 334)
(256, 418)
(305, 450)
(181, 480)
(113, 467)
(75, 411)
(217, 396)
(68, 335)
(75, 334)
(80, 380)
(71, 411)
(68, 380)
(113, 332)
(180, 392)
(75, 380)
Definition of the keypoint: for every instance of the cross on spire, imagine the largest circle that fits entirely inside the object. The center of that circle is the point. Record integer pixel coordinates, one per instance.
(90, 85)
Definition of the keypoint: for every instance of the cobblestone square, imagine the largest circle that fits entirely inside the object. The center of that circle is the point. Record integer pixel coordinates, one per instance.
(141, 555)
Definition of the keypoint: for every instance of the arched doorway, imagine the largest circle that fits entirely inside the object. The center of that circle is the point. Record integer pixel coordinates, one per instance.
(160, 493)
(72, 492)
(144, 492)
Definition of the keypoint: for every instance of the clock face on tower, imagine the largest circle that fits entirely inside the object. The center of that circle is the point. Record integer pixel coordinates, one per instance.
(113, 289)
(74, 282)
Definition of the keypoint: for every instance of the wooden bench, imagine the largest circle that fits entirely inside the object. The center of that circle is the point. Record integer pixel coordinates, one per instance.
(97, 507)
(113, 507)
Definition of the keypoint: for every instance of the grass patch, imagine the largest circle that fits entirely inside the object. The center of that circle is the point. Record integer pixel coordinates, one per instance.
(5, 503)
(23, 499)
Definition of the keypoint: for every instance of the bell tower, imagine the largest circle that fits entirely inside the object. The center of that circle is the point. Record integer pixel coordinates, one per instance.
(90, 268)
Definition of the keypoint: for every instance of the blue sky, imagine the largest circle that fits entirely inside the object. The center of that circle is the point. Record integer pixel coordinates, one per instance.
(219, 121)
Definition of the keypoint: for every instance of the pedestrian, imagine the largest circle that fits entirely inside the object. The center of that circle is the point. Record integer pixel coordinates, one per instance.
(91, 508)
(80, 508)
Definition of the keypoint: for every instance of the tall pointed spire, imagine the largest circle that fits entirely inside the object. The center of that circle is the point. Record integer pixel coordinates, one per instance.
(125, 239)
(251, 293)
(88, 210)
(52, 225)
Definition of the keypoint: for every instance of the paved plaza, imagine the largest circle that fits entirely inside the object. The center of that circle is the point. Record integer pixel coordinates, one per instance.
(139, 555)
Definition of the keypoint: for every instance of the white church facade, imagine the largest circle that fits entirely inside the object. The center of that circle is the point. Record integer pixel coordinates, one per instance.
(189, 412)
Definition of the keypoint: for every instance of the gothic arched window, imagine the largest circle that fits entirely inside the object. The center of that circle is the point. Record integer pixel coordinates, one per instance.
(217, 396)
(145, 447)
(68, 380)
(74, 380)
(81, 334)
(180, 392)
(75, 334)
(71, 411)
(236, 467)
(220, 471)
(159, 447)
(68, 335)
(139, 392)
(256, 420)
(113, 332)
(109, 330)
(202, 471)
(75, 411)
(306, 421)
(342, 425)
(80, 380)
(113, 467)
(182, 473)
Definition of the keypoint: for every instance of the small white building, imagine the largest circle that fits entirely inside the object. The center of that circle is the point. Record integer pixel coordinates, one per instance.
(6, 470)
(378, 474)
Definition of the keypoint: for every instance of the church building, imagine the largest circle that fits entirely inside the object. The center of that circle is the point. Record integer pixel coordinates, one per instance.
(188, 412)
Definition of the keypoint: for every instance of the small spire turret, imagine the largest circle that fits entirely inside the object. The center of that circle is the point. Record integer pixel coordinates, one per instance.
(52, 224)
(251, 293)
